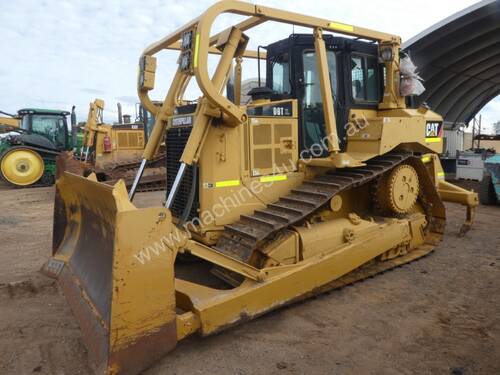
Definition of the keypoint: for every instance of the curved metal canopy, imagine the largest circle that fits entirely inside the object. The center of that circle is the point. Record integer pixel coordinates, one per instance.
(459, 59)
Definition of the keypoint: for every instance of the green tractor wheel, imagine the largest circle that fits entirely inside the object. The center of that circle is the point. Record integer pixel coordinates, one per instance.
(21, 166)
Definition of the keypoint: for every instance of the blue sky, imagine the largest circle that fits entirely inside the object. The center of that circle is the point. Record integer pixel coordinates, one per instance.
(56, 53)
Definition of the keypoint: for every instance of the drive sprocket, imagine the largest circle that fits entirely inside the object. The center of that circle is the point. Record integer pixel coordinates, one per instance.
(397, 191)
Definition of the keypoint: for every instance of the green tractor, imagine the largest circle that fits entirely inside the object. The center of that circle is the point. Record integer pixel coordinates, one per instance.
(28, 154)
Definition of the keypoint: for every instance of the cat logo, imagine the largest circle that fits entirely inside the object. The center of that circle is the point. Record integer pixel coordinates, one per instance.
(182, 121)
(433, 129)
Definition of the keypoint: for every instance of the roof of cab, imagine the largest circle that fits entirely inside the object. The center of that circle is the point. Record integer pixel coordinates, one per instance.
(42, 111)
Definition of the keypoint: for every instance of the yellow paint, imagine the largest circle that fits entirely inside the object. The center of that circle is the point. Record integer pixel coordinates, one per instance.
(440, 174)
(22, 166)
(426, 159)
(341, 26)
(127, 143)
(280, 177)
(10, 122)
(433, 140)
(196, 50)
(145, 298)
(227, 183)
(187, 324)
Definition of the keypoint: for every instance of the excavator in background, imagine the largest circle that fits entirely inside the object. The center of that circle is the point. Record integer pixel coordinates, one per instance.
(113, 151)
(324, 178)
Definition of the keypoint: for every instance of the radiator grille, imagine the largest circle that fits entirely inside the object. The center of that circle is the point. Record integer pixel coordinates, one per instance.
(130, 140)
(176, 140)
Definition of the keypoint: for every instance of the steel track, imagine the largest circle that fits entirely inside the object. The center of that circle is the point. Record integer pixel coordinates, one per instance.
(148, 183)
(239, 240)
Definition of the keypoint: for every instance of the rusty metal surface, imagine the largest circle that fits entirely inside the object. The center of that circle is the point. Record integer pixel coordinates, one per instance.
(144, 352)
(153, 182)
(154, 178)
(121, 335)
(59, 223)
(92, 260)
(66, 162)
(121, 169)
(95, 335)
(241, 238)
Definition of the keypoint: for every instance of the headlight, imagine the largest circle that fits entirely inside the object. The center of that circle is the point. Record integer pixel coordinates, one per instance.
(386, 54)
(185, 61)
(187, 40)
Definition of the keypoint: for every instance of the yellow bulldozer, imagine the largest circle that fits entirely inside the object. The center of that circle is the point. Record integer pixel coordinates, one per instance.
(323, 178)
(8, 122)
(113, 151)
(105, 146)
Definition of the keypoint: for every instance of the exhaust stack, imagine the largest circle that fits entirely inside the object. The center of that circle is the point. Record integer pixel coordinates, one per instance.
(120, 117)
(74, 127)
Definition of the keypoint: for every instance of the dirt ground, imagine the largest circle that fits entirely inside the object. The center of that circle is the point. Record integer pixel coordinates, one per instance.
(439, 315)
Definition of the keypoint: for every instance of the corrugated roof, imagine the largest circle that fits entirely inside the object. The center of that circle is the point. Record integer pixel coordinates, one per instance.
(459, 59)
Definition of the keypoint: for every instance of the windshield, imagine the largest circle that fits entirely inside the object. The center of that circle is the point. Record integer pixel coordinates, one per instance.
(52, 127)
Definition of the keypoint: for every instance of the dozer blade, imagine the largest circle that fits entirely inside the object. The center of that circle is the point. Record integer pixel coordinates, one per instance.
(66, 162)
(125, 308)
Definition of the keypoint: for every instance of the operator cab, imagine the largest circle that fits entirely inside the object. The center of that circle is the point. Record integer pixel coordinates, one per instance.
(47, 123)
(292, 76)
(355, 76)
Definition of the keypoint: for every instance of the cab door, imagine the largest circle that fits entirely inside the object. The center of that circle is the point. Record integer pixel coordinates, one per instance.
(292, 72)
(312, 120)
(355, 77)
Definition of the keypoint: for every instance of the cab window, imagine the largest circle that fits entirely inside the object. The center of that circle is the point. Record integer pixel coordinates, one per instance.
(313, 121)
(52, 127)
(364, 76)
(25, 122)
(44, 125)
(150, 123)
(61, 133)
(281, 75)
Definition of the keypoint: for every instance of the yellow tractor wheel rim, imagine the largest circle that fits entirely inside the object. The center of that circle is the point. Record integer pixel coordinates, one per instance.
(22, 167)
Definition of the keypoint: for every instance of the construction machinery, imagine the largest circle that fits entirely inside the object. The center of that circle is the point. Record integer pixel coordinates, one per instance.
(8, 122)
(489, 192)
(113, 151)
(28, 151)
(324, 178)
(108, 145)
